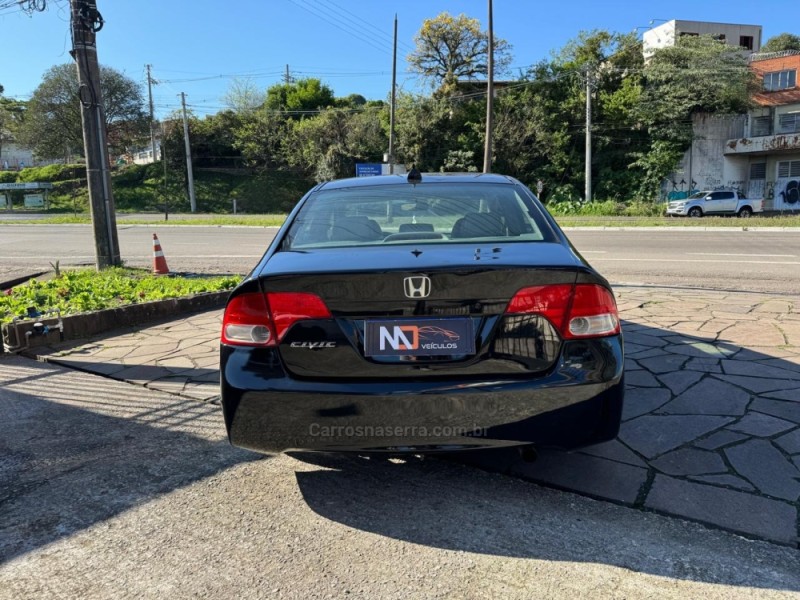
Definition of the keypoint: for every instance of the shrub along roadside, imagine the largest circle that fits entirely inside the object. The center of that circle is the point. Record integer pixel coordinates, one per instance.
(141, 188)
(608, 208)
(87, 290)
(570, 220)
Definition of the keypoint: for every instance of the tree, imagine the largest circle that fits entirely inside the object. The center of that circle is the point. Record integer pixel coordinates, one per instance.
(213, 139)
(781, 42)
(300, 97)
(261, 138)
(52, 127)
(540, 123)
(424, 131)
(351, 101)
(700, 75)
(328, 145)
(450, 48)
(244, 96)
(12, 115)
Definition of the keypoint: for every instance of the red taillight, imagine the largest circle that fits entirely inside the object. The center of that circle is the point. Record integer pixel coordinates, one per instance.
(551, 301)
(585, 310)
(593, 312)
(255, 319)
(247, 322)
(289, 307)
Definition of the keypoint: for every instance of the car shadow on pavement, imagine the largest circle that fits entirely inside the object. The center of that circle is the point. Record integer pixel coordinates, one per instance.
(444, 505)
(78, 450)
(191, 382)
(710, 433)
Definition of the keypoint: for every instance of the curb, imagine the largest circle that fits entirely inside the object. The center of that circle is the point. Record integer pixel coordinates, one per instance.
(85, 325)
(4, 285)
(681, 229)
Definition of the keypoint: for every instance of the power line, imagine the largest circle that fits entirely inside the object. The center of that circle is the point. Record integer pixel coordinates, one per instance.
(380, 47)
(363, 22)
(259, 75)
(349, 25)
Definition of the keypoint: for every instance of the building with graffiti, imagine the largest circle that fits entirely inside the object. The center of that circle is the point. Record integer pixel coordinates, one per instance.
(769, 149)
(757, 154)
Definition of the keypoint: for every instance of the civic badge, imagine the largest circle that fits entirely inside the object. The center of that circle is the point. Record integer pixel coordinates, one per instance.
(418, 286)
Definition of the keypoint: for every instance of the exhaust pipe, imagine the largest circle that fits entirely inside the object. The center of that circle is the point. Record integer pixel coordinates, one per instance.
(528, 453)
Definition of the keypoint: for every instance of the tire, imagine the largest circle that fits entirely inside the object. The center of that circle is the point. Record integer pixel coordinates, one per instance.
(695, 212)
(745, 212)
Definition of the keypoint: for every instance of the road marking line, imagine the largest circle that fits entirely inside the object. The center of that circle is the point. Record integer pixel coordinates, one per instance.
(752, 255)
(687, 260)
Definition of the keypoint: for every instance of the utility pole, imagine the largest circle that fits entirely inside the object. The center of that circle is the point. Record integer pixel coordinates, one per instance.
(588, 191)
(192, 200)
(487, 151)
(394, 90)
(287, 79)
(152, 118)
(164, 160)
(86, 21)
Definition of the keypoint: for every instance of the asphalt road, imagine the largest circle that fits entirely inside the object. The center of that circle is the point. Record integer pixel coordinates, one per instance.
(111, 491)
(754, 261)
(757, 261)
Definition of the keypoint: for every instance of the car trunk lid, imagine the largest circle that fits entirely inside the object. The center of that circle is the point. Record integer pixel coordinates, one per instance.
(396, 312)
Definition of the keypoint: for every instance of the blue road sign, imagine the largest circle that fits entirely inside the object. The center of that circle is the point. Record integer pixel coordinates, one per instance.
(368, 169)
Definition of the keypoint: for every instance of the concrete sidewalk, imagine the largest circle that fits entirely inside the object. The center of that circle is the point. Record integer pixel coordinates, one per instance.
(711, 426)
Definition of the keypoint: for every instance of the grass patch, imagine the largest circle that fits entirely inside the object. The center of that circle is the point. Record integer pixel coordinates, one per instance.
(87, 290)
(752, 222)
(276, 220)
(141, 188)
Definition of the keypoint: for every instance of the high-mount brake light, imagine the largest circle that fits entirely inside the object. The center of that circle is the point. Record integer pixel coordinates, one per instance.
(583, 311)
(256, 319)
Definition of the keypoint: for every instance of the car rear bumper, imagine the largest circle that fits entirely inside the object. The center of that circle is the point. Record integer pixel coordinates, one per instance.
(577, 403)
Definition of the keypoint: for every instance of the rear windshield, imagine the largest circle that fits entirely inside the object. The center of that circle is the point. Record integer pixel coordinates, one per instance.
(437, 213)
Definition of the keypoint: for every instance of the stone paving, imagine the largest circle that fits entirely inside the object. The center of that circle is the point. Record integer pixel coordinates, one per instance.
(178, 357)
(711, 426)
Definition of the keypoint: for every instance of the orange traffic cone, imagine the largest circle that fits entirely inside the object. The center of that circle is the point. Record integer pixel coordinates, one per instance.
(159, 262)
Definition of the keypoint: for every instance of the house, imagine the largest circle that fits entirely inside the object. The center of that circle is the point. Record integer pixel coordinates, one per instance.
(666, 34)
(757, 154)
(704, 165)
(767, 153)
(144, 156)
(13, 156)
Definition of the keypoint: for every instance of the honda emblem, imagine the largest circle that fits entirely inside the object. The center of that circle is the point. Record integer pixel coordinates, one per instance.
(417, 287)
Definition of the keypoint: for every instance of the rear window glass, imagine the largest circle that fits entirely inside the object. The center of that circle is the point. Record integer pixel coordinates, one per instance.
(437, 213)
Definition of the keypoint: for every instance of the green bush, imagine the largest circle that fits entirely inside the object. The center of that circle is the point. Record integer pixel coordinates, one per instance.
(607, 208)
(132, 175)
(140, 188)
(52, 173)
(89, 290)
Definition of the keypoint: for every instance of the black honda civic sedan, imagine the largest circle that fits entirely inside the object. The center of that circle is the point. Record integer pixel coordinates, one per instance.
(420, 314)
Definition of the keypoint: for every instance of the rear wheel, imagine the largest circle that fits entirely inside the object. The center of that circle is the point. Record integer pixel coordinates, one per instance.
(695, 212)
(745, 212)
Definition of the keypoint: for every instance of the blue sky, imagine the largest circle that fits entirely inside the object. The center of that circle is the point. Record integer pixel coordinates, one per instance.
(197, 46)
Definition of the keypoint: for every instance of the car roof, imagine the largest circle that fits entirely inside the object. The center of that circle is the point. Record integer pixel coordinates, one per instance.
(378, 180)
